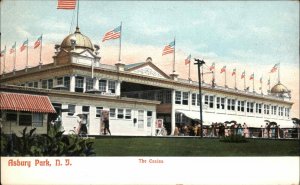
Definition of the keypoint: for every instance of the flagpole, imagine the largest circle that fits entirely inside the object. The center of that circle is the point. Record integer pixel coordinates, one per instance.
(77, 12)
(120, 42)
(235, 79)
(15, 57)
(190, 70)
(225, 78)
(253, 83)
(279, 73)
(41, 50)
(4, 60)
(244, 80)
(174, 57)
(27, 56)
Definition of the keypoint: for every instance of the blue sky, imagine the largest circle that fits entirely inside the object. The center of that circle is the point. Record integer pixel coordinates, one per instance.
(239, 31)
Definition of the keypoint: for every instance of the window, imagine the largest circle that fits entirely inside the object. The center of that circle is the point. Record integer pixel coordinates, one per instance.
(128, 114)
(206, 99)
(280, 111)
(193, 99)
(168, 97)
(88, 84)
(30, 84)
(177, 97)
(44, 84)
(211, 102)
(287, 112)
(250, 107)
(160, 96)
(71, 110)
(25, 119)
(266, 109)
(85, 108)
(149, 118)
(102, 85)
(112, 112)
(11, 116)
(67, 82)
(273, 109)
(50, 84)
(112, 86)
(35, 84)
(220, 103)
(241, 106)
(198, 99)
(230, 104)
(37, 120)
(258, 107)
(60, 81)
(120, 113)
(185, 98)
(98, 111)
(78, 84)
(140, 119)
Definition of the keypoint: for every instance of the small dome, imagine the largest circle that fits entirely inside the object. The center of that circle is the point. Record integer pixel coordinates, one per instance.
(82, 41)
(279, 89)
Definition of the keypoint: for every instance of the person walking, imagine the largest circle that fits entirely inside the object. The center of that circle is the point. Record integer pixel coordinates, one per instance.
(106, 126)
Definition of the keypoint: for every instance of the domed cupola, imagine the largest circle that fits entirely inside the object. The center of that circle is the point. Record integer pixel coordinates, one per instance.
(280, 90)
(82, 41)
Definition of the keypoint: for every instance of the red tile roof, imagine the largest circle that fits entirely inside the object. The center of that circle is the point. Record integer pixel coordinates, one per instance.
(25, 102)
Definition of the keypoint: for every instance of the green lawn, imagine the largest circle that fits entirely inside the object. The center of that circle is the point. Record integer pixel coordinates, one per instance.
(155, 146)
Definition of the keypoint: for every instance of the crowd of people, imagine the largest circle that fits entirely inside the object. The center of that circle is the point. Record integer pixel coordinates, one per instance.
(230, 128)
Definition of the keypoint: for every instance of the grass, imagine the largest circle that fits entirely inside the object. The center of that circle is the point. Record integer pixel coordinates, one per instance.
(206, 147)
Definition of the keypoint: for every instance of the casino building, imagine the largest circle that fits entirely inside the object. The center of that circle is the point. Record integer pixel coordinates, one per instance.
(135, 95)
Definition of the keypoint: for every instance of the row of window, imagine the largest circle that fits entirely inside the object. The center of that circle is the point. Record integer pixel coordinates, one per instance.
(24, 118)
(104, 85)
(164, 96)
(182, 98)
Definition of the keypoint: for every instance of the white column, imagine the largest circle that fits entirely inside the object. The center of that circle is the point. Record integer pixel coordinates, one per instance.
(173, 113)
(72, 83)
(96, 83)
(118, 88)
(84, 84)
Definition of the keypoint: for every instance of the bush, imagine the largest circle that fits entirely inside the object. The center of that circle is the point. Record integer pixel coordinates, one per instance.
(52, 144)
(234, 139)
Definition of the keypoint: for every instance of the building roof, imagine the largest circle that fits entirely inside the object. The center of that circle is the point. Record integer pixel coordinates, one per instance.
(25, 102)
(82, 41)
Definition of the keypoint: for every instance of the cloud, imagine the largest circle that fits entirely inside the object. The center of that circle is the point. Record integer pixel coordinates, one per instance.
(22, 32)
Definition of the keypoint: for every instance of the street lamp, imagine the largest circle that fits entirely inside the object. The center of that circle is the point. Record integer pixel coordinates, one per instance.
(200, 63)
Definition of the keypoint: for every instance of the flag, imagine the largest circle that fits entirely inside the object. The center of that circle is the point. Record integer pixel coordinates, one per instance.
(212, 67)
(243, 75)
(188, 59)
(24, 45)
(169, 48)
(38, 42)
(113, 34)
(274, 68)
(233, 72)
(252, 76)
(13, 48)
(3, 52)
(223, 69)
(66, 4)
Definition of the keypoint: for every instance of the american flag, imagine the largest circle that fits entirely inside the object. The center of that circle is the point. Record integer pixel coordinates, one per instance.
(252, 76)
(274, 68)
(233, 72)
(169, 48)
(223, 69)
(66, 4)
(3, 52)
(24, 45)
(243, 75)
(13, 48)
(38, 42)
(212, 67)
(113, 34)
(187, 60)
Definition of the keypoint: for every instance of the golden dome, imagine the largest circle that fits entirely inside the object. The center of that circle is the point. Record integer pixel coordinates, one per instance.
(279, 88)
(82, 41)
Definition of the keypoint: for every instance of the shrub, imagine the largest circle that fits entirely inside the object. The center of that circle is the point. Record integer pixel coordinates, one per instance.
(52, 144)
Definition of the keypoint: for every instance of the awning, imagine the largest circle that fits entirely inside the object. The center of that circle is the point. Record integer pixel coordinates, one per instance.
(256, 122)
(25, 102)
